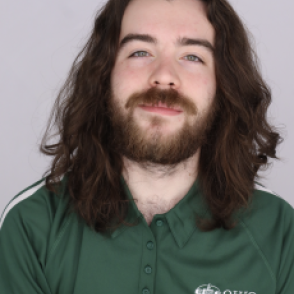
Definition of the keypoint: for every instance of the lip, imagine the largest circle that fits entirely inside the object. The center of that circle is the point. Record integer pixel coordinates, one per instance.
(162, 105)
(161, 110)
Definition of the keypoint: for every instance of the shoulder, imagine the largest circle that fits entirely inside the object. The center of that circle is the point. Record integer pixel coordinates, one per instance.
(25, 202)
(35, 202)
(30, 227)
(269, 205)
(34, 216)
(268, 211)
(269, 225)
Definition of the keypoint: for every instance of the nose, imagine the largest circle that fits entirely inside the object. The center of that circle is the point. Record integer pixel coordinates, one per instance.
(164, 75)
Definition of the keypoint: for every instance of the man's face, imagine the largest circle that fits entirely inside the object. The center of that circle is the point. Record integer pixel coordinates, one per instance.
(160, 70)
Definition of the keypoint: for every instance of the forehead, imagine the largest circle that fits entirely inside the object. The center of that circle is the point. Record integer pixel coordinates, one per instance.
(167, 18)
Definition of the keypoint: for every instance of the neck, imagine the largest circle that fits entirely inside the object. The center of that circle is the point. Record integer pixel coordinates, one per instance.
(156, 188)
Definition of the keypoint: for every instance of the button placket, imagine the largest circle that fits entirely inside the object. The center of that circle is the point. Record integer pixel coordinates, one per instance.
(150, 245)
(147, 278)
(159, 223)
(148, 269)
(146, 291)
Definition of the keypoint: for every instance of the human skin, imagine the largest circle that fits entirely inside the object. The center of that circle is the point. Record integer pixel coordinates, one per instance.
(189, 70)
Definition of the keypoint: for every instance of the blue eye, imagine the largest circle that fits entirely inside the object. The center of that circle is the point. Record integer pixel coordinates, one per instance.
(145, 54)
(194, 58)
(139, 54)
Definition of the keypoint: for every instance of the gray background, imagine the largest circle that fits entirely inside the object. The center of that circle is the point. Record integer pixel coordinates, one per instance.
(39, 41)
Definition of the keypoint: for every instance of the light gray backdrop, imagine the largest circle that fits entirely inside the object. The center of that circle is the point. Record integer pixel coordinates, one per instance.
(39, 41)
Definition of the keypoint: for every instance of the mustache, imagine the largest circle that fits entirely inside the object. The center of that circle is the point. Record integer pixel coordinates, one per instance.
(154, 96)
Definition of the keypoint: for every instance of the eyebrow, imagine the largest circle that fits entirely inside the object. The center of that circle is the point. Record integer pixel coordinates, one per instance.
(182, 41)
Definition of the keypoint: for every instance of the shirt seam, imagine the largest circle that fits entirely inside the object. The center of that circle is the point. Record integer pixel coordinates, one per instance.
(56, 242)
(255, 244)
(18, 199)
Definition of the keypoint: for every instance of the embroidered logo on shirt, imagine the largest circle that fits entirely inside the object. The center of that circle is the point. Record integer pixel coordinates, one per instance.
(211, 289)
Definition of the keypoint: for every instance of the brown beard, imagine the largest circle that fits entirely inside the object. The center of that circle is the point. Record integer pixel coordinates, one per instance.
(131, 141)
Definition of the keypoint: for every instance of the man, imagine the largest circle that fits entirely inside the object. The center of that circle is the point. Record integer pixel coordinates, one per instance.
(161, 132)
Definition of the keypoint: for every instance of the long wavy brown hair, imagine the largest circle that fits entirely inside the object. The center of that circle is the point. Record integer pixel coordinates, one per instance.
(240, 141)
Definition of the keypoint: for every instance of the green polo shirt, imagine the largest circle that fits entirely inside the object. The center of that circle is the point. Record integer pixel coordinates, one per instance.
(46, 250)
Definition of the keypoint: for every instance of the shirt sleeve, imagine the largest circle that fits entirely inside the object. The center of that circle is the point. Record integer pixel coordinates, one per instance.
(21, 271)
(285, 279)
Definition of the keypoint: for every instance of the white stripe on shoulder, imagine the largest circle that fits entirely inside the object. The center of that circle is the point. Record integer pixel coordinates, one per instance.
(261, 188)
(18, 199)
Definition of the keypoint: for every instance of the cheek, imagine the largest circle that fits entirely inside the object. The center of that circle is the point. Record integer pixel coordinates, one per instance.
(126, 72)
(124, 78)
(210, 87)
(201, 88)
(198, 77)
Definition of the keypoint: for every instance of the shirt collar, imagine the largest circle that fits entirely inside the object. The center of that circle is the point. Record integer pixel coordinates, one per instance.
(181, 219)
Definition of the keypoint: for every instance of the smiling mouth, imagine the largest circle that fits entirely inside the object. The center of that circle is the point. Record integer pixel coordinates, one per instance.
(162, 106)
(161, 110)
